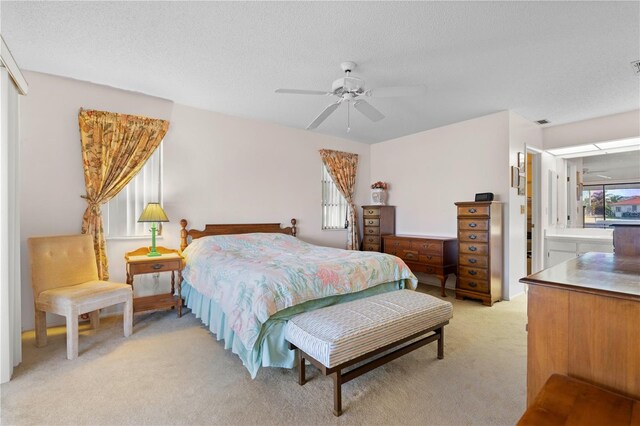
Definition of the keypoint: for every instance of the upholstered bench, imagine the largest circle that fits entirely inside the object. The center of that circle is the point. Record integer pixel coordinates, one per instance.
(339, 336)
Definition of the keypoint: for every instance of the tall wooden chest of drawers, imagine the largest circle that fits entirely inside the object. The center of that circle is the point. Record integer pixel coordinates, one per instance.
(480, 251)
(377, 221)
(429, 255)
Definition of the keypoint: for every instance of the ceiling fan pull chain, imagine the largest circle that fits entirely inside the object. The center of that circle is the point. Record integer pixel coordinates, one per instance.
(348, 117)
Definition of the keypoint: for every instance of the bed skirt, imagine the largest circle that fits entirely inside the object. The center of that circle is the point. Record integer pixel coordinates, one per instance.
(271, 348)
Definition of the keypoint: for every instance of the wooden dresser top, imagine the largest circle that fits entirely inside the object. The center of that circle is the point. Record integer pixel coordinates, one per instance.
(421, 237)
(598, 273)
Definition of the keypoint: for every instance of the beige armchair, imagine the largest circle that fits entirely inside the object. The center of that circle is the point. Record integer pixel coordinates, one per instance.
(64, 277)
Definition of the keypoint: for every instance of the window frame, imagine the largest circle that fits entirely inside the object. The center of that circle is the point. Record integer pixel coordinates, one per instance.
(606, 222)
(106, 215)
(328, 194)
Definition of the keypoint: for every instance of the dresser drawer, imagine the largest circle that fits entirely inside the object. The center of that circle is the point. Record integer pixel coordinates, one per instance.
(473, 224)
(477, 236)
(397, 243)
(371, 212)
(427, 246)
(474, 248)
(472, 284)
(371, 222)
(430, 259)
(425, 269)
(474, 260)
(371, 230)
(371, 247)
(473, 211)
(473, 273)
(159, 266)
(410, 255)
(371, 239)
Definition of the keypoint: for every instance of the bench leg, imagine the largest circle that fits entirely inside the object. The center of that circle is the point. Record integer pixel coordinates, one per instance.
(127, 317)
(337, 393)
(94, 317)
(41, 328)
(301, 372)
(72, 334)
(440, 331)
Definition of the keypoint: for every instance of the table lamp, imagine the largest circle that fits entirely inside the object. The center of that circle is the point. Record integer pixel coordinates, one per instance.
(153, 213)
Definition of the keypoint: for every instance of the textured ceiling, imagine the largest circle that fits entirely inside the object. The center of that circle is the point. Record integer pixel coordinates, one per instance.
(562, 61)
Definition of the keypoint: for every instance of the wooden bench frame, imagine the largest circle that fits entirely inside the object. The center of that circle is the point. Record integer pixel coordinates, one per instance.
(340, 377)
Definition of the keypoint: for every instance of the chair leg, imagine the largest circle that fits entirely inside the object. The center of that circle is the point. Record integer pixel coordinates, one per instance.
(41, 328)
(94, 318)
(128, 317)
(72, 335)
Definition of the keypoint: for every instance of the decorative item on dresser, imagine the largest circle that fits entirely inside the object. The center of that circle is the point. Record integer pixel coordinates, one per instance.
(377, 221)
(427, 254)
(480, 251)
(167, 260)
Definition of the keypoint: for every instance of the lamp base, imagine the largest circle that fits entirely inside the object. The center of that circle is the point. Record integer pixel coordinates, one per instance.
(154, 254)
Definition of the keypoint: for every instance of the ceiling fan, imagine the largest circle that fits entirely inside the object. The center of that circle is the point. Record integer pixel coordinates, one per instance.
(351, 90)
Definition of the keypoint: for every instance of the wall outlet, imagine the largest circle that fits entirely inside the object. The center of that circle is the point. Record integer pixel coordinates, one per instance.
(522, 209)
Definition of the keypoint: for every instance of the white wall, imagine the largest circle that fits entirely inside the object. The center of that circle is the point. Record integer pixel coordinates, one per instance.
(610, 127)
(217, 169)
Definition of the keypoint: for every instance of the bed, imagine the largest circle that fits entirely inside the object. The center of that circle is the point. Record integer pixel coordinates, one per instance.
(245, 281)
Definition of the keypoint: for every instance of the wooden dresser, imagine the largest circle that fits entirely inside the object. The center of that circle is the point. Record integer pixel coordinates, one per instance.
(377, 221)
(480, 251)
(430, 255)
(583, 321)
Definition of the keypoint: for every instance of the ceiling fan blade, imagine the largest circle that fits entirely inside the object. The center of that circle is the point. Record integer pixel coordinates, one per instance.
(366, 109)
(397, 91)
(302, 92)
(323, 115)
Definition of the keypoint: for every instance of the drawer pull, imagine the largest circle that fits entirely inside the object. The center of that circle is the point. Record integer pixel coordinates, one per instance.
(157, 266)
(472, 261)
(473, 248)
(473, 225)
(473, 236)
(369, 211)
(429, 257)
(371, 231)
(370, 222)
(472, 210)
(410, 255)
(473, 272)
(397, 243)
(472, 284)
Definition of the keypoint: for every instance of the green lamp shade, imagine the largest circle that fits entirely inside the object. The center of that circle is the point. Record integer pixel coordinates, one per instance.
(153, 213)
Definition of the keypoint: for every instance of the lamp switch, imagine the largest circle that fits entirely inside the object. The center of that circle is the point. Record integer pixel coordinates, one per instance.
(522, 209)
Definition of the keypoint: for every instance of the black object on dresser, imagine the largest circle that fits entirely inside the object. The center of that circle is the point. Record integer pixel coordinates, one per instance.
(480, 251)
(377, 221)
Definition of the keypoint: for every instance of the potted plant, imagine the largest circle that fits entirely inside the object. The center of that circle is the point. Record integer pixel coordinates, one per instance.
(379, 193)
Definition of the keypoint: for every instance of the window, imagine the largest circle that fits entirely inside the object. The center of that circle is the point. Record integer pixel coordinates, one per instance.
(606, 205)
(334, 207)
(121, 213)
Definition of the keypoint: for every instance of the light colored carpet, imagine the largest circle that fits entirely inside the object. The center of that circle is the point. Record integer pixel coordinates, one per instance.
(173, 371)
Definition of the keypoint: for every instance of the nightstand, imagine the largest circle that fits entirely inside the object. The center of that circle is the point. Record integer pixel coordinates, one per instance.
(169, 261)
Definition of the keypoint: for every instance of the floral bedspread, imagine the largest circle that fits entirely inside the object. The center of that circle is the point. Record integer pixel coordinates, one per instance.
(253, 276)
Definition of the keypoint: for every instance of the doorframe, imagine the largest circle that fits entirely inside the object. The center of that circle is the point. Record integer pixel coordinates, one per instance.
(536, 215)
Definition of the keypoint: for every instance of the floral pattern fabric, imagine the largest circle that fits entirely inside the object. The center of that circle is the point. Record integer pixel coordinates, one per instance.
(114, 149)
(253, 276)
(342, 167)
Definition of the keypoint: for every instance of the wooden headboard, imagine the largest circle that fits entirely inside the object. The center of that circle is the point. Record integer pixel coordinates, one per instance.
(224, 229)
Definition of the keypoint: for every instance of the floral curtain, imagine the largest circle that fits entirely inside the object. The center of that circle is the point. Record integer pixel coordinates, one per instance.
(342, 167)
(114, 149)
